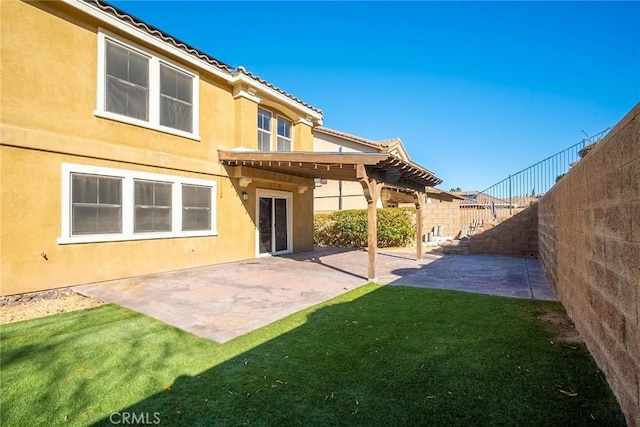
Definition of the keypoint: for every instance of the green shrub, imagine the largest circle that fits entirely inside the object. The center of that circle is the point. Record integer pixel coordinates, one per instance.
(395, 227)
(349, 228)
(321, 229)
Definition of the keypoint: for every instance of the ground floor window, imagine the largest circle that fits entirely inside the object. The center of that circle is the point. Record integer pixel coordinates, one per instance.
(96, 204)
(196, 206)
(108, 204)
(153, 204)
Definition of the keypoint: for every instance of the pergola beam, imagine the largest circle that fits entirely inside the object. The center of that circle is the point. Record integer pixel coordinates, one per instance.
(339, 166)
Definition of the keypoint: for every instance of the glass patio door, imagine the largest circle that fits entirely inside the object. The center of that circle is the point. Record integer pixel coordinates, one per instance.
(273, 225)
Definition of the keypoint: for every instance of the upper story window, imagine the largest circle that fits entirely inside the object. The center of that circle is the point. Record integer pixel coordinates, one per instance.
(176, 99)
(139, 87)
(264, 130)
(283, 127)
(127, 79)
(284, 134)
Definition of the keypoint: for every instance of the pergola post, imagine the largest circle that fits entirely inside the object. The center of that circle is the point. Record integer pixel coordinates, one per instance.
(419, 201)
(371, 189)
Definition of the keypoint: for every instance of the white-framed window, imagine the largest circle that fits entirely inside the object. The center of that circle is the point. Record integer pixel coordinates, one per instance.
(284, 134)
(152, 206)
(264, 130)
(283, 126)
(176, 98)
(96, 204)
(126, 77)
(106, 204)
(140, 87)
(196, 207)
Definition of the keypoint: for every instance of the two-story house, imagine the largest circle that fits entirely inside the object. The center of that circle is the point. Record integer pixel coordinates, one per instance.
(124, 151)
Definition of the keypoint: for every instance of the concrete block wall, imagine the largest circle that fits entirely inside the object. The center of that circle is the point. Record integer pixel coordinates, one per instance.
(445, 214)
(589, 246)
(516, 236)
(470, 215)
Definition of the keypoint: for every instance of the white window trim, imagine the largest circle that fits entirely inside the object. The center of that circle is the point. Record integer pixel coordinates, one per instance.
(290, 139)
(262, 192)
(128, 205)
(154, 88)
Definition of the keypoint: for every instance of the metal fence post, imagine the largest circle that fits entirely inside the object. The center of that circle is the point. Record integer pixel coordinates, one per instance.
(510, 197)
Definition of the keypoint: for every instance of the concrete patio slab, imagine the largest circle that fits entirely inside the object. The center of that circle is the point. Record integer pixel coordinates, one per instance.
(224, 301)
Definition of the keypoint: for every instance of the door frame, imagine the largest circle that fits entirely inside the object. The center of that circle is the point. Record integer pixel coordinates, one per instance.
(288, 196)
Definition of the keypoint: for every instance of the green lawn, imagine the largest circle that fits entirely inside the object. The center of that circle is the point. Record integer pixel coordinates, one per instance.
(374, 356)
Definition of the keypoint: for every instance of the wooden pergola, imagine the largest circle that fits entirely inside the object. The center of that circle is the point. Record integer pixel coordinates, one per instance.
(372, 170)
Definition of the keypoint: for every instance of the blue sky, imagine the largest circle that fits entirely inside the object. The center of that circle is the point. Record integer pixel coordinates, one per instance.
(475, 90)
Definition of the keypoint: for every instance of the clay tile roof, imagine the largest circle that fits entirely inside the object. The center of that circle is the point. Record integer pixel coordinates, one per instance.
(167, 38)
(156, 32)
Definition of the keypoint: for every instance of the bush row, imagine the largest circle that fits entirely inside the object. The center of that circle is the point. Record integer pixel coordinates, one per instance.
(349, 228)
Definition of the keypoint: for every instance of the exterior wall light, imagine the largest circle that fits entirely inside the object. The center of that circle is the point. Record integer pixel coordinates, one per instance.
(245, 196)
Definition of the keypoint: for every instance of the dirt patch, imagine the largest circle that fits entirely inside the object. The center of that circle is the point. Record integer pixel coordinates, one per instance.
(560, 324)
(15, 308)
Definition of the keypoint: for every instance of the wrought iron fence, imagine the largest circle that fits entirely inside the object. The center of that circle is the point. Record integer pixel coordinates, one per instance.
(516, 192)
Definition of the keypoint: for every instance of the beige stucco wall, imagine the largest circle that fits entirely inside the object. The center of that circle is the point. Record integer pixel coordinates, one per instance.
(31, 222)
(246, 112)
(589, 245)
(48, 84)
(329, 197)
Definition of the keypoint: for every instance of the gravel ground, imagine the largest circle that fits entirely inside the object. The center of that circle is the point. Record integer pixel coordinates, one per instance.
(15, 308)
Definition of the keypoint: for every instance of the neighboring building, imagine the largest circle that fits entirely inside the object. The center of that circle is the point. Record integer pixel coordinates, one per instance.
(331, 195)
(124, 151)
(441, 208)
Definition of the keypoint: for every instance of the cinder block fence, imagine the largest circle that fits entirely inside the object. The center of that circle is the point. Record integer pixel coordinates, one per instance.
(589, 246)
